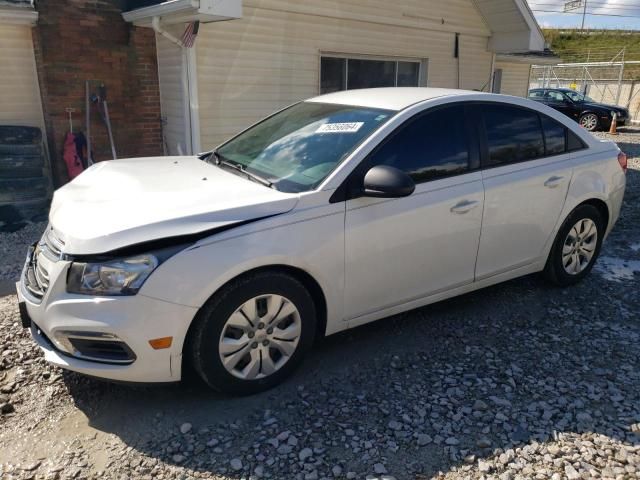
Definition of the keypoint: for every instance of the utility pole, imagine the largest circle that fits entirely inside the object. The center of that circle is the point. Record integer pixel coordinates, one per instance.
(573, 5)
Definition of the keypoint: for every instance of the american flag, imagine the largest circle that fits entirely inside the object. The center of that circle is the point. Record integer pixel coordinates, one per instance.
(189, 35)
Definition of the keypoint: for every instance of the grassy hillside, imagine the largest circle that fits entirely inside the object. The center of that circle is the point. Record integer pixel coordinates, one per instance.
(596, 46)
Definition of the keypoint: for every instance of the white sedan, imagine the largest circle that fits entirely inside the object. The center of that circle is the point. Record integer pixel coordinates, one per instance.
(331, 213)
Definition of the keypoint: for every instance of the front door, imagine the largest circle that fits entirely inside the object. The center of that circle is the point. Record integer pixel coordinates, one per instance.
(562, 103)
(399, 250)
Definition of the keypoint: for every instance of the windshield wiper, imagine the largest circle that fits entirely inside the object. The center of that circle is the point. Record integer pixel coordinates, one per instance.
(220, 160)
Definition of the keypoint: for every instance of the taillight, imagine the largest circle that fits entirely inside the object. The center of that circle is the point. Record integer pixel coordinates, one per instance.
(622, 160)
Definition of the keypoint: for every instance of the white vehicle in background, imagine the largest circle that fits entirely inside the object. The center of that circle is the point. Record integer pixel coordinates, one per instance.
(334, 212)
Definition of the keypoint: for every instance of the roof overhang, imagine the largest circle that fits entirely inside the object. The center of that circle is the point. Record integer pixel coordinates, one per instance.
(181, 11)
(513, 26)
(530, 58)
(13, 15)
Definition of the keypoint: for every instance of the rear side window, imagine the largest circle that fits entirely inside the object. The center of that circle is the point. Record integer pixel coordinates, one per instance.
(573, 142)
(431, 146)
(554, 136)
(536, 94)
(513, 134)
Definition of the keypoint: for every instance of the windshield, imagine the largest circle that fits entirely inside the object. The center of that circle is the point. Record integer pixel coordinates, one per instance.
(297, 148)
(578, 97)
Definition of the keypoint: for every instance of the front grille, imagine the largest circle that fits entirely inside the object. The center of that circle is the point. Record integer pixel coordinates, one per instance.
(52, 244)
(39, 261)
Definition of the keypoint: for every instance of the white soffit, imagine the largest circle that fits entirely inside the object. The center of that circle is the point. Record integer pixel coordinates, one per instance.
(513, 26)
(181, 11)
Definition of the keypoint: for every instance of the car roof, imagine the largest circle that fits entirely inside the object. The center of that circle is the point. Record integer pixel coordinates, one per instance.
(388, 98)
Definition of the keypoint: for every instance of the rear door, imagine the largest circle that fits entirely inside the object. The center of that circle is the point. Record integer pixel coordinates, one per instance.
(526, 174)
(403, 249)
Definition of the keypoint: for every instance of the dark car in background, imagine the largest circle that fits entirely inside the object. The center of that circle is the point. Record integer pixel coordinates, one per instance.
(584, 110)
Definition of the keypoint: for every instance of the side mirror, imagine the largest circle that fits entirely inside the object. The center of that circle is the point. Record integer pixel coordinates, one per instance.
(387, 182)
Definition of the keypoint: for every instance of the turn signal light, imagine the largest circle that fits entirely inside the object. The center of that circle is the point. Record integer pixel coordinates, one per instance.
(622, 160)
(160, 343)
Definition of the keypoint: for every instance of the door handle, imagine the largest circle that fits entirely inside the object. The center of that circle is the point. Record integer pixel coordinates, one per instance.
(553, 182)
(464, 206)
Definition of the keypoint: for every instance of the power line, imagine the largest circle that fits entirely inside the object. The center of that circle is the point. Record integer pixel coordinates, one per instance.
(588, 13)
(597, 7)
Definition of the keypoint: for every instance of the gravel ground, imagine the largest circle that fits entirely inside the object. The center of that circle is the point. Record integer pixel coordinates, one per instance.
(13, 248)
(517, 381)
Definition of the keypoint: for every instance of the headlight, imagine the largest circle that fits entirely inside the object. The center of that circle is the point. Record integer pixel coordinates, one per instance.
(612, 113)
(115, 277)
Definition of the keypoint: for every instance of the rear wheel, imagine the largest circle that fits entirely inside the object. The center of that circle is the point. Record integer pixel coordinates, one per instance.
(253, 333)
(576, 247)
(589, 121)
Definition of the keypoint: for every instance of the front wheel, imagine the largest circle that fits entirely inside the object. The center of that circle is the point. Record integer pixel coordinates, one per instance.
(576, 247)
(589, 121)
(253, 333)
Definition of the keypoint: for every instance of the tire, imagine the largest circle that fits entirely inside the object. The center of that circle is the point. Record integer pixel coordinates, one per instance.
(563, 272)
(21, 166)
(211, 322)
(589, 121)
(19, 135)
(23, 189)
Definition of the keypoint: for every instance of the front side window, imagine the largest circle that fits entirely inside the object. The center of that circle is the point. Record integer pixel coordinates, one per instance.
(578, 97)
(297, 148)
(513, 134)
(555, 96)
(432, 146)
(339, 73)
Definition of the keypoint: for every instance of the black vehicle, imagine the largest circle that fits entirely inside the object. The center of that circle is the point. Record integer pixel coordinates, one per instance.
(584, 110)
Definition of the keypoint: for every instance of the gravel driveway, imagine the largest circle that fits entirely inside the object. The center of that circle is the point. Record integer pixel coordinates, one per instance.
(517, 381)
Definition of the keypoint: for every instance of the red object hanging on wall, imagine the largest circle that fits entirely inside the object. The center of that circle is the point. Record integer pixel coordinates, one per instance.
(71, 158)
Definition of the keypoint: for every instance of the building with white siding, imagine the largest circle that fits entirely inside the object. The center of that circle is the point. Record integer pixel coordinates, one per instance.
(19, 89)
(252, 57)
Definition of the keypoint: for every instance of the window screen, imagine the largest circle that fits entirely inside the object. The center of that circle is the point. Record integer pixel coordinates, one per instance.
(513, 134)
(370, 73)
(434, 145)
(339, 73)
(408, 74)
(334, 74)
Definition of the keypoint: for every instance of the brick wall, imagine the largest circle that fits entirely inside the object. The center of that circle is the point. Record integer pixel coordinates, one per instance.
(79, 40)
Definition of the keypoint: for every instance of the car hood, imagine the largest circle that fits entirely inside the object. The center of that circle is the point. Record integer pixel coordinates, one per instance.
(120, 203)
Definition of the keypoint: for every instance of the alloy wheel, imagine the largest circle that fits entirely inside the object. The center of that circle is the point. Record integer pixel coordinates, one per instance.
(579, 246)
(589, 121)
(260, 337)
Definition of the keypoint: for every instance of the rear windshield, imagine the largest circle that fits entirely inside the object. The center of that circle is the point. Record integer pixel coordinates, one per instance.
(298, 148)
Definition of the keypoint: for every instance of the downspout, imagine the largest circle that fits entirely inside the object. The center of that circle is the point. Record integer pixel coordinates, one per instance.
(192, 72)
(492, 73)
(189, 87)
(456, 54)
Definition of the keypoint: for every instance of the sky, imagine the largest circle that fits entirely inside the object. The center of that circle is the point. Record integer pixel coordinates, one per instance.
(613, 14)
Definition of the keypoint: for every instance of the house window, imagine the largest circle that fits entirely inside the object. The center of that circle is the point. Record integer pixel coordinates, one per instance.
(341, 73)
